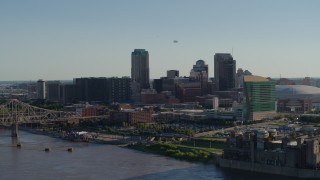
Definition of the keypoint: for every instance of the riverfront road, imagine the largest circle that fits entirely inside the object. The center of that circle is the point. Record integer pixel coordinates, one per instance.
(267, 124)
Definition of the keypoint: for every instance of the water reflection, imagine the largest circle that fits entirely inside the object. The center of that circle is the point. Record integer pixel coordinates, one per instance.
(94, 161)
(14, 141)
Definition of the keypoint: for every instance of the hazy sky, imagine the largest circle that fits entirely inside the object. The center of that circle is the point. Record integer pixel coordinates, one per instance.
(64, 39)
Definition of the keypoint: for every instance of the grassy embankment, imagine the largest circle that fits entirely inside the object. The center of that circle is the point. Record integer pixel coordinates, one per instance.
(198, 150)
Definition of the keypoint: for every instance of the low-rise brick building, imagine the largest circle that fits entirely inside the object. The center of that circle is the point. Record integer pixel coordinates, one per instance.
(132, 116)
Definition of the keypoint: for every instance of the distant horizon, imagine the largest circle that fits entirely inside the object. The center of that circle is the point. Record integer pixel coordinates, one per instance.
(2, 81)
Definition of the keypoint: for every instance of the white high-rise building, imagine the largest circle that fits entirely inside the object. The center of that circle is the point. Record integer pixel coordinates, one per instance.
(41, 89)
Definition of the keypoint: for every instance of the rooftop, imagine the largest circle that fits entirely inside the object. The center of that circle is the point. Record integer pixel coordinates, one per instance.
(297, 90)
(254, 79)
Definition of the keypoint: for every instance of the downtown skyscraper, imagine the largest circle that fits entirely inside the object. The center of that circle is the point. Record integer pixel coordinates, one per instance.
(199, 72)
(140, 68)
(224, 71)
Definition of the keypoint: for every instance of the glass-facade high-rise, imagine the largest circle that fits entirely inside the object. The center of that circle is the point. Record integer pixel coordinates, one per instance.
(260, 97)
(224, 71)
(140, 68)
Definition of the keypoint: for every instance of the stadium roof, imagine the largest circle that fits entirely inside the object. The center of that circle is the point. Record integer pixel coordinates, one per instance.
(297, 90)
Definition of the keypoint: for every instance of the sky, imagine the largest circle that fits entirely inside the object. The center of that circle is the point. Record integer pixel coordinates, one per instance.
(66, 39)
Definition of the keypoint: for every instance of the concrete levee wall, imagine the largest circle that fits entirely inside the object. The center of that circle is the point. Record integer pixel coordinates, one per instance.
(285, 171)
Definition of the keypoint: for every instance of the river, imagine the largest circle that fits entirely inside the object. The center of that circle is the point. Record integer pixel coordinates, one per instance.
(98, 161)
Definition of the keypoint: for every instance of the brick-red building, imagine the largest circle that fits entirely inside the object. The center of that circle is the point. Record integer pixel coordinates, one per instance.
(132, 116)
(188, 92)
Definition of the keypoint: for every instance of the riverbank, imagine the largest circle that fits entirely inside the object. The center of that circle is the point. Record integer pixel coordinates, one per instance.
(178, 152)
(182, 151)
(92, 137)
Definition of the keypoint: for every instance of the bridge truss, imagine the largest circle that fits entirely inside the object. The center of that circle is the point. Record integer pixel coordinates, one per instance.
(16, 112)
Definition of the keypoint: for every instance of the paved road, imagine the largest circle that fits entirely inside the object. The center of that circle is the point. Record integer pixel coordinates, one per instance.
(266, 124)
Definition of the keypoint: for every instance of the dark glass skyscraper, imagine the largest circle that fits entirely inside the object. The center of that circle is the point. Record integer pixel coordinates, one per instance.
(106, 90)
(140, 68)
(53, 90)
(224, 71)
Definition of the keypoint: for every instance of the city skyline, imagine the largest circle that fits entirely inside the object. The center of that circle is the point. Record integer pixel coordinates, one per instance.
(65, 40)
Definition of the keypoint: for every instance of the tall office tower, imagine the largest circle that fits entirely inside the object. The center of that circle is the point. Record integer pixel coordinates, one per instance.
(172, 73)
(200, 66)
(240, 75)
(41, 89)
(224, 71)
(199, 72)
(53, 90)
(260, 97)
(140, 68)
(119, 89)
(68, 93)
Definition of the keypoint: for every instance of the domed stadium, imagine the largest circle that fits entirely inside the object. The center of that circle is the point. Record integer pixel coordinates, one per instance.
(297, 97)
(297, 91)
